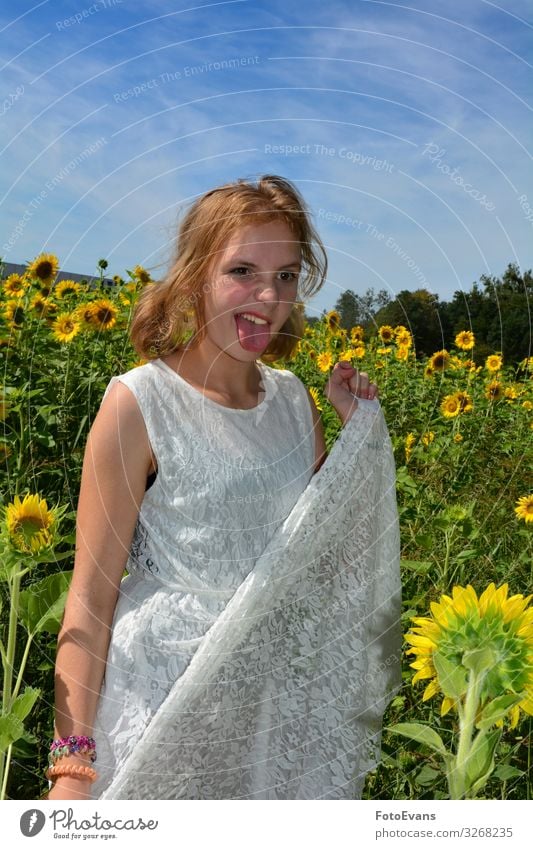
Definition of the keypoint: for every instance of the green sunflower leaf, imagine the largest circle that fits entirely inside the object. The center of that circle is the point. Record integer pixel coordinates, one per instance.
(427, 776)
(42, 604)
(479, 660)
(452, 678)
(420, 733)
(496, 710)
(480, 763)
(504, 772)
(23, 704)
(11, 729)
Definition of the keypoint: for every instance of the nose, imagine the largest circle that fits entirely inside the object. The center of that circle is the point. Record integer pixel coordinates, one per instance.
(267, 287)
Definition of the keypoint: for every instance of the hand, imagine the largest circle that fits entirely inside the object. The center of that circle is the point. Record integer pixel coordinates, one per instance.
(344, 383)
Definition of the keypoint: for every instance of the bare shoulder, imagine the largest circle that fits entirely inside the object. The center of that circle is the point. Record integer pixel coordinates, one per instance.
(119, 431)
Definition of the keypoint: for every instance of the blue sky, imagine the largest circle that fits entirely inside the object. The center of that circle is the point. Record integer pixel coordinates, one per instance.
(405, 126)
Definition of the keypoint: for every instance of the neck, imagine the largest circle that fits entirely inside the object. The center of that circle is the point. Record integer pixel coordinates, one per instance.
(217, 371)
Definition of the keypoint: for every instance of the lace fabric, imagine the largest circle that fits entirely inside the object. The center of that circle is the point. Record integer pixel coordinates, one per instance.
(254, 658)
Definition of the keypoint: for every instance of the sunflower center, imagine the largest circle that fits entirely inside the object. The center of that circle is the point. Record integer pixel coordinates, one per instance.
(44, 269)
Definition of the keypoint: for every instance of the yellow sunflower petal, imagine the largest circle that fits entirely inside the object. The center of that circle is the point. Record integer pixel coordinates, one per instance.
(431, 690)
(446, 706)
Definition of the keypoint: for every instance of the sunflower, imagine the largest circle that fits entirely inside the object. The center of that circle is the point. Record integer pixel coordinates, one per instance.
(450, 406)
(402, 352)
(440, 360)
(41, 305)
(459, 627)
(511, 393)
(465, 340)
(141, 274)
(399, 329)
(347, 355)
(456, 363)
(386, 334)
(84, 313)
(494, 362)
(29, 524)
(524, 508)
(357, 334)
(359, 352)
(494, 390)
(527, 405)
(465, 402)
(404, 339)
(384, 351)
(428, 371)
(316, 397)
(324, 361)
(65, 327)
(14, 313)
(118, 280)
(103, 314)
(458, 437)
(333, 320)
(14, 286)
(428, 437)
(44, 268)
(410, 440)
(66, 288)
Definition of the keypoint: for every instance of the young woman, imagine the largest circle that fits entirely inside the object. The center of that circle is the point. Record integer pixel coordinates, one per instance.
(252, 647)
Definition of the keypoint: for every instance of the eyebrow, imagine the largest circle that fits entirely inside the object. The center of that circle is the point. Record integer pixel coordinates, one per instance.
(237, 261)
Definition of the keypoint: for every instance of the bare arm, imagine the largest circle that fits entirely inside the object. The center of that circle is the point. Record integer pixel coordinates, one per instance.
(320, 444)
(117, 460)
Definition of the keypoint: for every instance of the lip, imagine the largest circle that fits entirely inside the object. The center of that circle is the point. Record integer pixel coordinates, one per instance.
(253, 312)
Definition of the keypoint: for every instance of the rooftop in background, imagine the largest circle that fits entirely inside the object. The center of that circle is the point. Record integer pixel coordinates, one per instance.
(8, 268)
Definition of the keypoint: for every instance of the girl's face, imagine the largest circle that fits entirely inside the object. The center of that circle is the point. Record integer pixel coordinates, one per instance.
(252, 289)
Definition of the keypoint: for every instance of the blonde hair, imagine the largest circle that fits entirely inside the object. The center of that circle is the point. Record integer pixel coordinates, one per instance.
(169, 310)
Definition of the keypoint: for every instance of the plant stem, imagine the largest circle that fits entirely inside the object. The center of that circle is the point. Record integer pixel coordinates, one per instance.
(467, 717)
(22, 666)
(446, 559)
(11, 641)
(6, 773)
(14, 594)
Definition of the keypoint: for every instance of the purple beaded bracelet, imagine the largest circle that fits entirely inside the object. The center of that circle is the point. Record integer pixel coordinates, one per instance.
(66, 746)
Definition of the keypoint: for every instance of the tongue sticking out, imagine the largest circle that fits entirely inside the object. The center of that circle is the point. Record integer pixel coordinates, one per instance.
(253, 337)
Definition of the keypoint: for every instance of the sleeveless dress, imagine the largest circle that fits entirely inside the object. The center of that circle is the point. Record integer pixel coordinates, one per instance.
(256, 640)
(226, 480)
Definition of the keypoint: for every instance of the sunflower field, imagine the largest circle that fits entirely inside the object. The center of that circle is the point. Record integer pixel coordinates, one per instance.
(461, 431)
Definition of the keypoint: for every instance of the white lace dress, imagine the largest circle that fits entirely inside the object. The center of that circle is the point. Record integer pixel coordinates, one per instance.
(249, 658)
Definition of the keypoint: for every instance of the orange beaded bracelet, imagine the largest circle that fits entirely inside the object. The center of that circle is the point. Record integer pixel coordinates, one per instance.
(71, 769)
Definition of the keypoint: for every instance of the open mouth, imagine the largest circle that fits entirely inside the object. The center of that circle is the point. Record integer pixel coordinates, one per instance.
(253, 332)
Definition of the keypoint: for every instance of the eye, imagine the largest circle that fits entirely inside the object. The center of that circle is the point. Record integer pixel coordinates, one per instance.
(240, 268)
(291, 276)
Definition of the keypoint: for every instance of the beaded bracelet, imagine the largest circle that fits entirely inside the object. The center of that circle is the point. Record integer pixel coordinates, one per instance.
(66, 746)
(71, 769)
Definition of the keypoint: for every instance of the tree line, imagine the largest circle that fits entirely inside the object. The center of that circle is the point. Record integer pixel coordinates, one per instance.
(498, 310)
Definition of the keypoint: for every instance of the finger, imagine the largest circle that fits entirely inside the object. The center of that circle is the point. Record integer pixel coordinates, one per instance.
(359, 384)
(341, 372)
